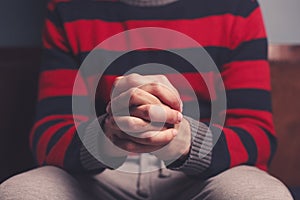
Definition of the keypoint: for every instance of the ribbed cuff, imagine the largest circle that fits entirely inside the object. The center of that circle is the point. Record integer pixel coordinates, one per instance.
(199, 158)
(90, 156)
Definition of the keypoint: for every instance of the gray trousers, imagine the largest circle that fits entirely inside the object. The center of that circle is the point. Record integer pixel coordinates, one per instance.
(51, 183)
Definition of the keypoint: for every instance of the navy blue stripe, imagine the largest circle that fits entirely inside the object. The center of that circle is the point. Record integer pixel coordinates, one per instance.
(62, 106)
(251, 50)
(123, 62)
(248, 143)
(40, 131)
(187, 9)
(220, 154)
(136, 58)
(220, 55)
(55, 59)
(204, 109)
(273, 145)
(249, 99)
(54, 17)
(57, 136)
(72, 157)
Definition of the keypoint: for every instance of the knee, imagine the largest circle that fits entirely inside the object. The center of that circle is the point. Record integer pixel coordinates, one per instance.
(34, 184)
(245, 182)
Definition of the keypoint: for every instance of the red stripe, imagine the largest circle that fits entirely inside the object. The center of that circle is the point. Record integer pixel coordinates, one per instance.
(52, 118)
(53, 37)
(191, 84)
(247, 74)
(237, 151)
(57, 154)
(46, 137)
(262, 144)
(60, 83)
(248, 29)
(207, 31)
(261, 140)
(105, 87)
(262, 119)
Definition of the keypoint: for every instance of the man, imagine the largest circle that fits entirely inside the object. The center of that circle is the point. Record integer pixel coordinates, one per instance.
(201, 164)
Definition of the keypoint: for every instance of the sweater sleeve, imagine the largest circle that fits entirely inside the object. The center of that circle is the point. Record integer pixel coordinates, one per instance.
(247, 137)
(54, 139)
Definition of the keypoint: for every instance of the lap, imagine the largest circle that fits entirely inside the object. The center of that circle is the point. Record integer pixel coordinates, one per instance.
(42, 183)
(241, 182)
(52, 183)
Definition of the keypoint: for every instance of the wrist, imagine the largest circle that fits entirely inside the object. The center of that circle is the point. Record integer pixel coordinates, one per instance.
(185, 135)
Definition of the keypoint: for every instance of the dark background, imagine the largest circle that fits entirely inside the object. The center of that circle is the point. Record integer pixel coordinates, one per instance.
(21, 22)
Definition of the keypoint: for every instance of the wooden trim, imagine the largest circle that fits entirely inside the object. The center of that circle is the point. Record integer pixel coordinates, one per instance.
(284, 53)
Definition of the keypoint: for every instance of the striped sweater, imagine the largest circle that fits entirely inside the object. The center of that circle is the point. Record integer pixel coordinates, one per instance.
(231, 31)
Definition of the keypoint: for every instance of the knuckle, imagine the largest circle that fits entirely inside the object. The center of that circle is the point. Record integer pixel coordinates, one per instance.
(133, 75)
(133, 79)
(146, 111)
(130, 146)
(132, 91)
(168, 137)
(132, 82)
(134, 94)
(131, 125)
(174, 116)
(154, 84)
(149, 140)
(155, 87)
(162, 78)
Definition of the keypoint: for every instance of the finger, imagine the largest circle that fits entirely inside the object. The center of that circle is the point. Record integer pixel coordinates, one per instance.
(158, 137)
(131, 124)
(164, 94)
(165, 81)
(135, 80)
(157, 113)
(132, 97)
(134, 147)
(124, 83)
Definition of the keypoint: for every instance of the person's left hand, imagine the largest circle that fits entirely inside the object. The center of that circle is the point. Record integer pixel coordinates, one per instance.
(158, 101)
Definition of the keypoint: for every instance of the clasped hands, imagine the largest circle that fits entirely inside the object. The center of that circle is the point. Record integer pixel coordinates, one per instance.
(145, 116)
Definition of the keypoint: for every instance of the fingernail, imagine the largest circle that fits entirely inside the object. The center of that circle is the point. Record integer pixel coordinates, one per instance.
(174, 132)
(179, 117)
